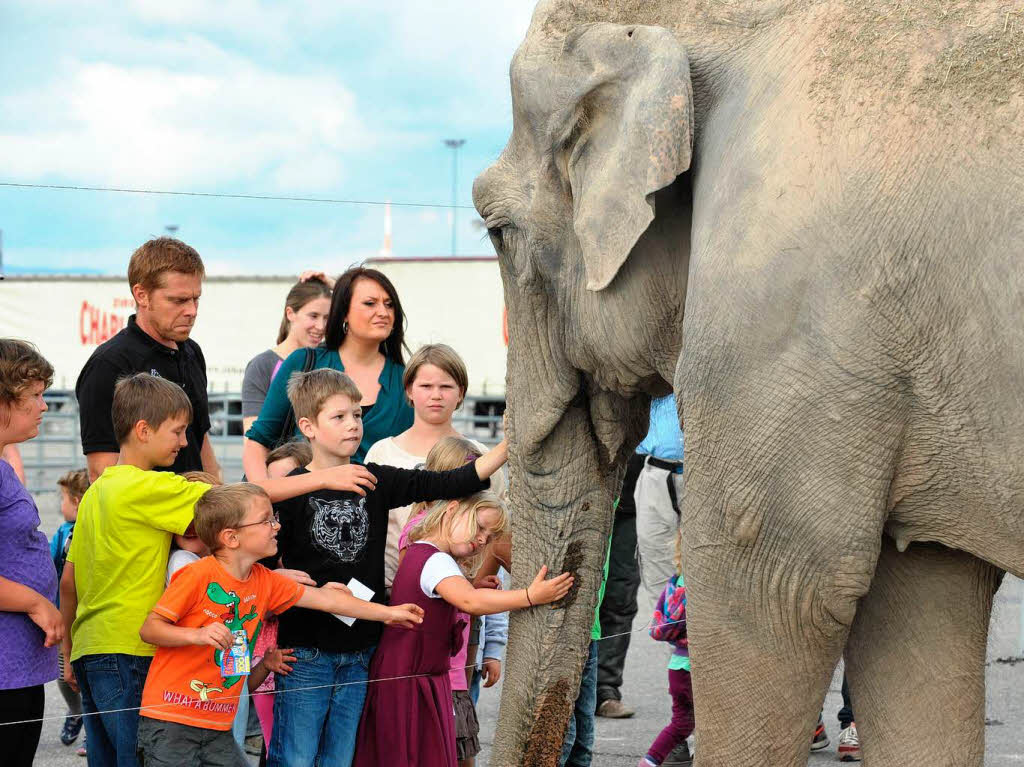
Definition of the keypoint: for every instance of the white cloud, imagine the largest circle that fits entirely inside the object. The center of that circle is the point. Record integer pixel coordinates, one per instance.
(211, 118)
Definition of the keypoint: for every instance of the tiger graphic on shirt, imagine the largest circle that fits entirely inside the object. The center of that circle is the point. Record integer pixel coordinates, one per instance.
(340, 528)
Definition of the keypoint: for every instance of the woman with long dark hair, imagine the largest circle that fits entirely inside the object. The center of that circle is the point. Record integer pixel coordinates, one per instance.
(304, 324)
(365, 340)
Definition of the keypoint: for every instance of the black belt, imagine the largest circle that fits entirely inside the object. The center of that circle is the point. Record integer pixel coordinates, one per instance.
(673, 466)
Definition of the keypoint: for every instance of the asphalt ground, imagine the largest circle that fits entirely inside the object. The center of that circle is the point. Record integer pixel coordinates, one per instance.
(621, 742)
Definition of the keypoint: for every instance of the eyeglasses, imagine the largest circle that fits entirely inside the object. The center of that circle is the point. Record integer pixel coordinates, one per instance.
(273, 520)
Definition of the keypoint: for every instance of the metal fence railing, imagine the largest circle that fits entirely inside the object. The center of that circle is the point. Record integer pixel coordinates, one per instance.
(58, 447)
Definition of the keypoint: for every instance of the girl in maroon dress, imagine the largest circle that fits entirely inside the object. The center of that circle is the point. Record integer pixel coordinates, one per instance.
(408, 717)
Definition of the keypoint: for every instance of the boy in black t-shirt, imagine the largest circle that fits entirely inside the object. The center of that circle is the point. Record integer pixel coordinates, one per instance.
(340, 536)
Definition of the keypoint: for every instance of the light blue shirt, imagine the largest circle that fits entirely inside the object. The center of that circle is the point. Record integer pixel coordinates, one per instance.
(664, 440)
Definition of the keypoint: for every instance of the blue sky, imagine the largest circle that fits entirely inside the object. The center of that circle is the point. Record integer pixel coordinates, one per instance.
(331, 99)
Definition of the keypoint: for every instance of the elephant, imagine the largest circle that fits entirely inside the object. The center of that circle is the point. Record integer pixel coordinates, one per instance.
(805, 218)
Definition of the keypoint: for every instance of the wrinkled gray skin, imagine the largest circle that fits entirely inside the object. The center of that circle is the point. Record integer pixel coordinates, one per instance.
(834, 193)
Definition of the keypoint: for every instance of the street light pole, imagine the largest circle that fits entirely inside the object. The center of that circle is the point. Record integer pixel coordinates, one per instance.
(454, 144)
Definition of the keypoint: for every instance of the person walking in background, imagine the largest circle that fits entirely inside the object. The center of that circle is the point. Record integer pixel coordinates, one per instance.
(658, 496)
(30, 624)
(669, 625)
(365, 340)
(72, 487)
(166, 279)
(305, 320)
(618, 608)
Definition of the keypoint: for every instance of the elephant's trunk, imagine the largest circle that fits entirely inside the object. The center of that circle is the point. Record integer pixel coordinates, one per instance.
(561, 504)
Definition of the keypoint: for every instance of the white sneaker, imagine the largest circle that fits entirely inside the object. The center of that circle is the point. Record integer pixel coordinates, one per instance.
(849, 744)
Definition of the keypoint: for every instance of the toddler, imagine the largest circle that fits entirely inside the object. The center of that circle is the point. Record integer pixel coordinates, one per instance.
(281, 461)
(72, 487)
(669, 625)
(408, 721)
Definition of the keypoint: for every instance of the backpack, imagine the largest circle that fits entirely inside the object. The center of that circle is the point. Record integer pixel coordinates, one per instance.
(669, 621)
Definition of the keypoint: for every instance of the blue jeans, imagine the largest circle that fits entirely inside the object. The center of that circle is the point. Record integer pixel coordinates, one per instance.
(474, 686)
(109, 683)
(578, 748)
(318, 726)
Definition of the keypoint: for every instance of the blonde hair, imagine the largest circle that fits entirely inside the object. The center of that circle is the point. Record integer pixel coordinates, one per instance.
(201, 476)
(440, 356)
(297, 449)
(152, 259)
(438, 520)
(75, 483)
(222, 507)
(309, 391)
(149, 398)
(447, 453)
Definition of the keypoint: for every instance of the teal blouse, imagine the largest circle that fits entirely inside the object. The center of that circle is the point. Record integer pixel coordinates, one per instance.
(390, 415)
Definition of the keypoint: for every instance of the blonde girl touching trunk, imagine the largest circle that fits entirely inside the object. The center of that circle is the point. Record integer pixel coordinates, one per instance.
(410, 722)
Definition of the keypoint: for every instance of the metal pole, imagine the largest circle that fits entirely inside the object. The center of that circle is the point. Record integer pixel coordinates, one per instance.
(454, 144)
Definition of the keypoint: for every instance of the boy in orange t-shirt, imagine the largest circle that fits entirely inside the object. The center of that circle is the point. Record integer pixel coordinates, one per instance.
(206, 624)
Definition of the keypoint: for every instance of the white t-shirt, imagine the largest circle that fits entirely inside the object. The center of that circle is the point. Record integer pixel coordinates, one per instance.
(178, 559)
(438, 566)
(387, 453)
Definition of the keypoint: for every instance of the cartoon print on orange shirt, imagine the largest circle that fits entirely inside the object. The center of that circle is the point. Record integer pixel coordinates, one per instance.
(234, 622)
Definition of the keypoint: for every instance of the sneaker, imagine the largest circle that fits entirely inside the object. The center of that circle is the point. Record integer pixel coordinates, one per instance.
(820, 739)
(679, 757)
(69, 732)
(849, 744)
(614, 709)
(81, 748)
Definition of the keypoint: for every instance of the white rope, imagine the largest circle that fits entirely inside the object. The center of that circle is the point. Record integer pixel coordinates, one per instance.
(298, 689)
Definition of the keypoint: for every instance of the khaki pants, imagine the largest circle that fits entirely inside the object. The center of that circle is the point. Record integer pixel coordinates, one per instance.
(657, 520)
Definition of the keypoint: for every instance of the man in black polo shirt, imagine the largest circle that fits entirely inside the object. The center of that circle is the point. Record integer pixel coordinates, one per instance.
(166, 278)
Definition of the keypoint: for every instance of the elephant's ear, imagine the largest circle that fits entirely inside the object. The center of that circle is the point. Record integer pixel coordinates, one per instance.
(627, 134)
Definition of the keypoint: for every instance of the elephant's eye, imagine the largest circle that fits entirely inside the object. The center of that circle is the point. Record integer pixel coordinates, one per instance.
(497, 235)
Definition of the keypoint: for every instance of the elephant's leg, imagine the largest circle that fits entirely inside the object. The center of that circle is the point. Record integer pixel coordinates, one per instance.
(916, 654)
(782, 523)
(762, 661)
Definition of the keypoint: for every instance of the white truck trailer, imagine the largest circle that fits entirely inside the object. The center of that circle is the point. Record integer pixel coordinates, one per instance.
(457, 301)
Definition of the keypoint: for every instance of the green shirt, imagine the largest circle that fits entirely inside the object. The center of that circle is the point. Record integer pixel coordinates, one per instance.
(595, 633)
(122, 539)
(390, 415)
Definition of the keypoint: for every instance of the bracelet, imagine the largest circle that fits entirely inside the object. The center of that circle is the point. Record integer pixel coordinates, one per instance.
(528, 597)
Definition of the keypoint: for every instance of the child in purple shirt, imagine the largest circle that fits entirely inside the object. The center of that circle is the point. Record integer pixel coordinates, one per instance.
(30, 624)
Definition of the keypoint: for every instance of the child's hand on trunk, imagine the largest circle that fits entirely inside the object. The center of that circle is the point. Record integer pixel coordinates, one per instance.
(542, 592)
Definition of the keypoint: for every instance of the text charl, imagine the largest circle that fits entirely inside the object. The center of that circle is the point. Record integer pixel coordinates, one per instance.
(96, 325)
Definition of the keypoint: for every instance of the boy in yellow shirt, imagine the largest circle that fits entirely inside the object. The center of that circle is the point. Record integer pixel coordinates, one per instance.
(118, 557)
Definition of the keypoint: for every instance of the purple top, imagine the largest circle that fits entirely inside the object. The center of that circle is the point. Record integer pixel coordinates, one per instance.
(24, 558)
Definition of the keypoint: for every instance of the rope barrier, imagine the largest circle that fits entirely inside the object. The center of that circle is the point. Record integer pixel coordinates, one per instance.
(227, 196)
(297, 689)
